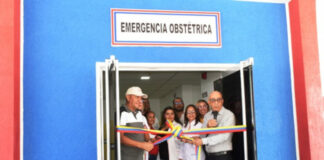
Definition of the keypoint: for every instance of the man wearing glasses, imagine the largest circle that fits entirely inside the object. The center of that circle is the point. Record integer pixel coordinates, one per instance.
(218, 146)
(178, 106)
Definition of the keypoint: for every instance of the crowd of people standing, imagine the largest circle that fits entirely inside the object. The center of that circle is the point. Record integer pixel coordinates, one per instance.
(203, 114)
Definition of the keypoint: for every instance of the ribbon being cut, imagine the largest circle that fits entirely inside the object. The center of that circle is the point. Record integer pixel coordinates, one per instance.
(179, 133)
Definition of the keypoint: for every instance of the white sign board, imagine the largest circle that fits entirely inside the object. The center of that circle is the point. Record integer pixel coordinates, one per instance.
(130, 27)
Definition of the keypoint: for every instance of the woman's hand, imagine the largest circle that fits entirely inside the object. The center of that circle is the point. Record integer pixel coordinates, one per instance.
(186, 140)
(166, 127)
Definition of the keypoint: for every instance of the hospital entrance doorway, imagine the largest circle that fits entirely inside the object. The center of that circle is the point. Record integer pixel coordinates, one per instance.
(165, 81)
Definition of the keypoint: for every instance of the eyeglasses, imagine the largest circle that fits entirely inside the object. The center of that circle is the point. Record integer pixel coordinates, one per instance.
(215, 100)
(192, 112)
(176, 103)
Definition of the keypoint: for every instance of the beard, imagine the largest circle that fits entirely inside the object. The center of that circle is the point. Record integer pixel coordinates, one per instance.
(179, 109)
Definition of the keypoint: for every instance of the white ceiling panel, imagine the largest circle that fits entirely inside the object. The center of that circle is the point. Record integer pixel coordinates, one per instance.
(160, 84)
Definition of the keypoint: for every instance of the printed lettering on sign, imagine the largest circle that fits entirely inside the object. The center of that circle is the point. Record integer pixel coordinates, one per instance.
(130, 27)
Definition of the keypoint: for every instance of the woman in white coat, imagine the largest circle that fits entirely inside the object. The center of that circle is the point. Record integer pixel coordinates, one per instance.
(188, 150)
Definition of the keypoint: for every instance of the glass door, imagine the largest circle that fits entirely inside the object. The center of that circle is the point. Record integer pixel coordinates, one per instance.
(237, 89)
(106, 90)
(250, 118)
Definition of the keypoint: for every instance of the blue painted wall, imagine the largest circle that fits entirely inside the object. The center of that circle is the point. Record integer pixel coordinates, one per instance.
(64, 39)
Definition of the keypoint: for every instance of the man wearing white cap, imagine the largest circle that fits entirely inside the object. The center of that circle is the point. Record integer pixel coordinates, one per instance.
(133, 145)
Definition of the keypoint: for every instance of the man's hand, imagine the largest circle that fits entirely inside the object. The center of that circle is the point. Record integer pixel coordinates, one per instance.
(211, 123)
(189, 141)
(147, 146)
(197, 141)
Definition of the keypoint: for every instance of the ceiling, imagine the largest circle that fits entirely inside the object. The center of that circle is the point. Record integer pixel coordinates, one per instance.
(160, 84)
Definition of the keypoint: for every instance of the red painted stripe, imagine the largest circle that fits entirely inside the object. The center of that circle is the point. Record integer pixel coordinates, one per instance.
(219, 31)
(112, 26)
(309, 102)
(9, 79)
(17, 80)
(301, 109)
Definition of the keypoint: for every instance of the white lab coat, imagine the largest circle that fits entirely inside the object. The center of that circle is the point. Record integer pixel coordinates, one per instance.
(188, 151)
(174, 145)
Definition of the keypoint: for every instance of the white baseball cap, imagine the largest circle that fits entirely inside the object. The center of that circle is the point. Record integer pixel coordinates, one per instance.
(137, 91)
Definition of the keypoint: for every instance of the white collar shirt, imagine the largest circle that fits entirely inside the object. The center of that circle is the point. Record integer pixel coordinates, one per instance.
(222, 141)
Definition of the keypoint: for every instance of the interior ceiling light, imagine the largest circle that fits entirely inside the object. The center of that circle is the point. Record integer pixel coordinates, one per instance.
(146, 77)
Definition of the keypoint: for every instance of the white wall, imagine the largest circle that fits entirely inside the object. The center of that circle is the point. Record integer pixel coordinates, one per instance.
(155, 107)
(167, 99)
(207, 85)
(191, 94)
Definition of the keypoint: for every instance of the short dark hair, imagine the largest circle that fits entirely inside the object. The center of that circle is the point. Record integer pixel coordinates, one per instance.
(177, 98)
(148, 112)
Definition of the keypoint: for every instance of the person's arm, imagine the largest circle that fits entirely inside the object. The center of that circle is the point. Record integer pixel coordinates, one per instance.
(146, 135)
(129, 142)
(148, 146)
